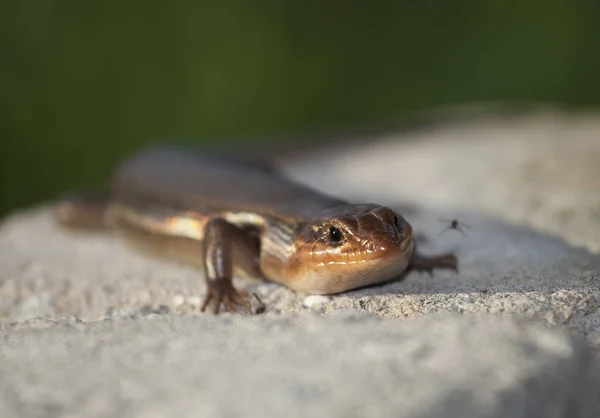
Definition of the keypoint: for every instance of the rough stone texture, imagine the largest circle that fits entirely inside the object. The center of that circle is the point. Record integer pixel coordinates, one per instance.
(527, 187)
(345, 366)
(503, 269)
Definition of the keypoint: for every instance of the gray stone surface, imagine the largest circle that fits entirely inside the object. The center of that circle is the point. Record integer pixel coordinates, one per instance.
(531, 253)
(347, 365)
(503, 269)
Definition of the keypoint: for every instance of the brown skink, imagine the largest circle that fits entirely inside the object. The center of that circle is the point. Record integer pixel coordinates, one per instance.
(235, 217)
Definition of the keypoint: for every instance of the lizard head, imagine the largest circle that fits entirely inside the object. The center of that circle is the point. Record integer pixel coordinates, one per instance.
(350, 247)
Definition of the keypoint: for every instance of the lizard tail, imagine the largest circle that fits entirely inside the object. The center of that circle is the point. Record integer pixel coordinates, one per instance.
(83, 211)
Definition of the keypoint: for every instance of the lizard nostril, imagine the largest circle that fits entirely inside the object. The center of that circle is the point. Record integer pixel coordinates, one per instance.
(400, 224)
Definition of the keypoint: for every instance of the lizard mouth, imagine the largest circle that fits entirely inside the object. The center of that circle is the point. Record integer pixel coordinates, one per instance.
(340, 274)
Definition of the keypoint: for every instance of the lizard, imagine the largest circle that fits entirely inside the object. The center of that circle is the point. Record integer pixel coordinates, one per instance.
(247, 218)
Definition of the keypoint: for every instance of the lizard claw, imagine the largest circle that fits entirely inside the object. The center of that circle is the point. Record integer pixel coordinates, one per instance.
(428, 264)
(427, 270)
(262, 307)
(223, 293)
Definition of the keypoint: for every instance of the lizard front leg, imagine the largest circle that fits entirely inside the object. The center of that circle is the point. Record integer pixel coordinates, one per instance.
(427, 264)
(217, 253)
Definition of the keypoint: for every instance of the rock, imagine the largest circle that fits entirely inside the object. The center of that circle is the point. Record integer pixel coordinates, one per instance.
(315, 300)
(305, 365)
(442, 346)
(504, 269)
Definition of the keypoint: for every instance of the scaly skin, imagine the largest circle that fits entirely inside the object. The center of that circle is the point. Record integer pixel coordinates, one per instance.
(230, 217)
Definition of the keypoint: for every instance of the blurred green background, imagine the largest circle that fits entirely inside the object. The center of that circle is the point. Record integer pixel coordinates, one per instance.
(85, 83)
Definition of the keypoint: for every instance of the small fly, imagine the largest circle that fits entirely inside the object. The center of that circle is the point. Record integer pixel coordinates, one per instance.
(455, 224)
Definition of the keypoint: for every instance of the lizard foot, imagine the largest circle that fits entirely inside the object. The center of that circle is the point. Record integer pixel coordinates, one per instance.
(427, 264)
(222, 292)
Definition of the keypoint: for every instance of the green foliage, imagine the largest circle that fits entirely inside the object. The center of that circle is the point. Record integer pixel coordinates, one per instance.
(85, 83)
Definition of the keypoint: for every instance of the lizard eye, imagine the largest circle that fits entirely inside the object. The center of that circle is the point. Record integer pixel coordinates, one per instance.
(334, 235)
